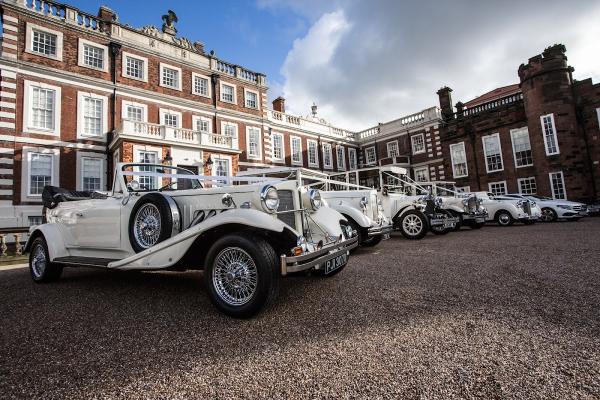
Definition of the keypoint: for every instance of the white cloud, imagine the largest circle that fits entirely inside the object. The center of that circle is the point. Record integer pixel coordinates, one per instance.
(369, 62)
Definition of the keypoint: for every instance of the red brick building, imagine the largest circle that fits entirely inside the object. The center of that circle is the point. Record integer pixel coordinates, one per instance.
(80, 92)
(539, 136)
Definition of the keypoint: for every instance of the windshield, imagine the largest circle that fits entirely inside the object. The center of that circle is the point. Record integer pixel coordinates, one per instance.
(151, 177)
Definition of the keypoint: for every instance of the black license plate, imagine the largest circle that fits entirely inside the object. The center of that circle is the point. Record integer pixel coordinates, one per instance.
(335, 263)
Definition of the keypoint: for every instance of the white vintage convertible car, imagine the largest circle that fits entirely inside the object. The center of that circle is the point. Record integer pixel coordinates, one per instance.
(360, 206)
(160, 217)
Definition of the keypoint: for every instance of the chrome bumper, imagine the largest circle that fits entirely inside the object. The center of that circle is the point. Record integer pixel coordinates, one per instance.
(291, 264)
(478, 217)
(380, 230)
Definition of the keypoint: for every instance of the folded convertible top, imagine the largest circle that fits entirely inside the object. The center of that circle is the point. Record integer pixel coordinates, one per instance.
(52, 195)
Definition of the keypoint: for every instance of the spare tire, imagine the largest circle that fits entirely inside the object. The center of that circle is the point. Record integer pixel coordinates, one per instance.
(154, 218)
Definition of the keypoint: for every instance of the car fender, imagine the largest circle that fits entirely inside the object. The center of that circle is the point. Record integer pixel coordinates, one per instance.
(170, 251)
(54, 240)
(402, 210)
(361, 219)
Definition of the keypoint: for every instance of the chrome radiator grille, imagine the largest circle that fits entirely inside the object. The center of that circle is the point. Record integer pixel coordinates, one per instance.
(374, 207)
(472, 204)
(286, 203)
(527, 207)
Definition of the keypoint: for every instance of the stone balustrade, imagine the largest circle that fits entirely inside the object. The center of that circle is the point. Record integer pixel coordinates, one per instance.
(176, 135)
(237, 72)
(12, 241)
(308, 124)
(66, 13)
(513, 98)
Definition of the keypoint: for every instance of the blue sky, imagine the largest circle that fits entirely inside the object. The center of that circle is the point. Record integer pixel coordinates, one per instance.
(369, 61)
(241, 32)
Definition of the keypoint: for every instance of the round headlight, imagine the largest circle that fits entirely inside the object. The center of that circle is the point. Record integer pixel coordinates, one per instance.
(315, 199)
(269, 198)
(438, 201)
(465, 202)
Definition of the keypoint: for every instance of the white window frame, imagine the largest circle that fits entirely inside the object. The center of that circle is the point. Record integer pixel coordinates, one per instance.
(498, 183)
(26, 166)
(562, 178)
(342, 166)
(281, 137)
(352, 158)
(80, 117)
(326, 148)
(196, 118)
(514, 132)
(221, 84)
(259, 144)
(461, 144)
(393, 142)
(412, 144)
(316, 147)
(149, 149)
(81, 58)
(124, 66)
(554, 133)
(29, 41)
(27, 109)
(419, 169)
(164, 111)
(226, 123)
(102, 157)
(485, 154)
(208, 85)
(521, 180)
(299, 140)
(126, 103)
(160, 78)
(367, 150)
(246, 91)
(216, 157)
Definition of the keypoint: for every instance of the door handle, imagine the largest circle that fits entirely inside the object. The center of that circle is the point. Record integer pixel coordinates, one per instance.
(79, 214)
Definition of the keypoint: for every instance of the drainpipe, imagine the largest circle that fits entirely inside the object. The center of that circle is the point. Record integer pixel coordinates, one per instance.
(115, 50)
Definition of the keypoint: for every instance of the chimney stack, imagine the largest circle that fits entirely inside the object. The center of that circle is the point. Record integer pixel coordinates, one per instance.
(279, 104)
(446, 102)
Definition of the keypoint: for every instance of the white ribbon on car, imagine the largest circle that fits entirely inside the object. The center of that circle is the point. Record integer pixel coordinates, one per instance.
(203, 178)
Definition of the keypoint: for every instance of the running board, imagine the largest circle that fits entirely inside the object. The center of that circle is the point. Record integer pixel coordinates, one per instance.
(84, 261)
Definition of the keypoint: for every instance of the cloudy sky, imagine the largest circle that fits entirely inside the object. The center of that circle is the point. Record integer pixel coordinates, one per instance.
(372, 61)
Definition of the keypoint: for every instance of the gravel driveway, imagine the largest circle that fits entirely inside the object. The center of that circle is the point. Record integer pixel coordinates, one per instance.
(496, 313)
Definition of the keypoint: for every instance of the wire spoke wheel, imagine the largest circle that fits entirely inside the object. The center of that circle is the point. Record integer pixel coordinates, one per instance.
(234, 276)
(147, 225)
(412, 224)
(38, 261)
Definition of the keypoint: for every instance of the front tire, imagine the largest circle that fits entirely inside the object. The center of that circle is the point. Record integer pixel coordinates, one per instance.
(548, 215)
(40, 267)
(440, 230)
(413, 225)
(459, 224)
(503, 218)
(241, 275)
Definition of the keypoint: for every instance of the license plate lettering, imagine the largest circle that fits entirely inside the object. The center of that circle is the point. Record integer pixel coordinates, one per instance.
(335, 263)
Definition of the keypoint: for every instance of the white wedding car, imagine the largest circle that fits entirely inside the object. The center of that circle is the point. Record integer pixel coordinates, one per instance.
(161, 217)
(505, 211)
(360, 206)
